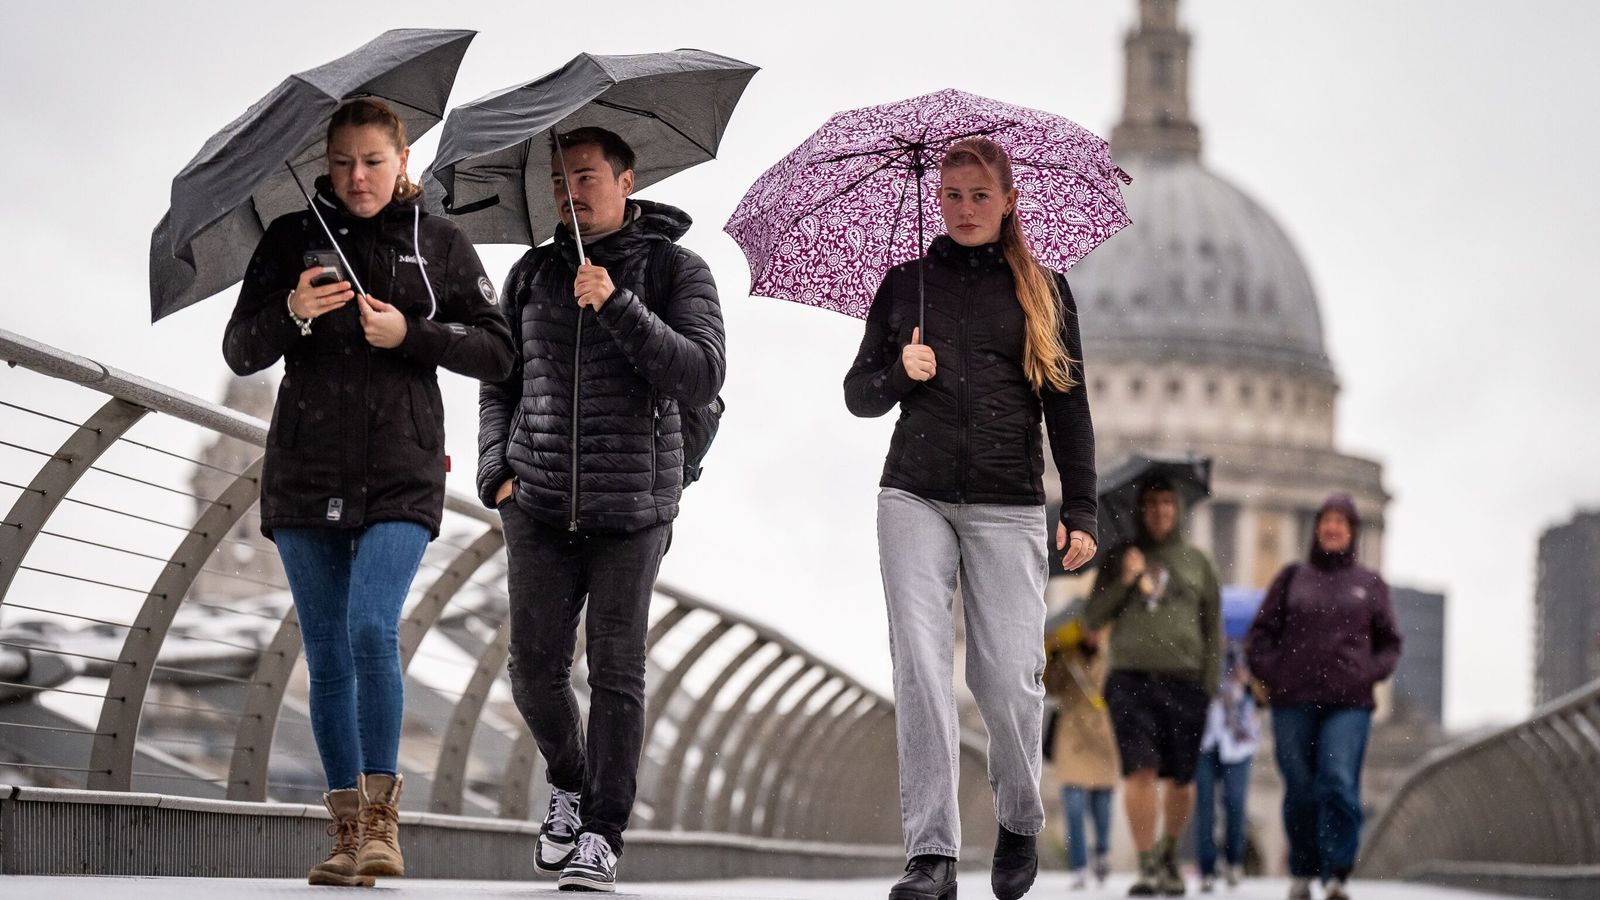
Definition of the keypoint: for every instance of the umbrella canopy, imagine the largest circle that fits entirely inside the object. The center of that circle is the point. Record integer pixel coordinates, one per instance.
(1239, 605)
(245, 175)
(823, 225)
(494, 153)
(1118, 490)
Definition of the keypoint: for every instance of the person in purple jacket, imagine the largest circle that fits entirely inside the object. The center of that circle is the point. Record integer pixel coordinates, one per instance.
(1325, 634)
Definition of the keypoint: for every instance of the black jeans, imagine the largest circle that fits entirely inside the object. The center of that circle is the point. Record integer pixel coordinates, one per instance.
(551, 573)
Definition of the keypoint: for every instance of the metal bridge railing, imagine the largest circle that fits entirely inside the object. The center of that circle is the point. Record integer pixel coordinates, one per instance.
(147, 642)
(1518, 809)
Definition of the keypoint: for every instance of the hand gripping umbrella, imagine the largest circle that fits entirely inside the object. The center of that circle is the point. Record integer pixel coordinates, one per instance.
(671, 108)
(253, 171)
(823, 225)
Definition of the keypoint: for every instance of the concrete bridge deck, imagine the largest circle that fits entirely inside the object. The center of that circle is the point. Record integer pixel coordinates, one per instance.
(1051, 885)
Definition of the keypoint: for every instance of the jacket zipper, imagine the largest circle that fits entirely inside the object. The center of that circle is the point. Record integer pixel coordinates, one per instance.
(961, 392)
(577, 362)
(655, 438)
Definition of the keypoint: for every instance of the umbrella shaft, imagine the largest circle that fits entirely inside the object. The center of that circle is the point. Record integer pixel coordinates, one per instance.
(326, 230)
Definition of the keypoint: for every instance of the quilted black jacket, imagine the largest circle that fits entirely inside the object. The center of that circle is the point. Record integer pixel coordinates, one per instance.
(588, 422)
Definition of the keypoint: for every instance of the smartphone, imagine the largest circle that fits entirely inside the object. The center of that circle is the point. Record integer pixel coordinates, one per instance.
(332, 270)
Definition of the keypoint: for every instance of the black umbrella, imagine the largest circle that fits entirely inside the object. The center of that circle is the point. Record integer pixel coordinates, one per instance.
(1118, 489)
(256, 169)
(671, 108)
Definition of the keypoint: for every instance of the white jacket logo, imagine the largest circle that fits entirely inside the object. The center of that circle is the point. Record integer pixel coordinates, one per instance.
(408, 259)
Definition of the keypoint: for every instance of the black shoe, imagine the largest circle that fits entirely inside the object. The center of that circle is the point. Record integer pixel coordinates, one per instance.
(927, 877)
(593, 866)
(558, 838)
(1016, 864)
(1171, 878)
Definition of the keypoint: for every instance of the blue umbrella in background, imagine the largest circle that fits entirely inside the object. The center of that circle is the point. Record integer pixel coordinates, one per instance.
(1239, 605)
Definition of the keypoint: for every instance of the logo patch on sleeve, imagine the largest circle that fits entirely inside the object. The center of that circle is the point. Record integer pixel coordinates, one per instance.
(486, 288)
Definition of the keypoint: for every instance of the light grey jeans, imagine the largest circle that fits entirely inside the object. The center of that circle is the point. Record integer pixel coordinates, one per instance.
(998, 551)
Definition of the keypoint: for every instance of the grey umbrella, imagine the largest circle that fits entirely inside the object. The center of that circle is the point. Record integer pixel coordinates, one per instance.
(255, 169)
(494, 153)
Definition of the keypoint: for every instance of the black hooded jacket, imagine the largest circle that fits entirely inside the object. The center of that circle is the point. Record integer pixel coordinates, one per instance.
(587, 424)
(971, 433)
(357, 433)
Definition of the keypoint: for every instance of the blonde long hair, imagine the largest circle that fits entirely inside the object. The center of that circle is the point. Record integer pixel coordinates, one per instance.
(1045, 360)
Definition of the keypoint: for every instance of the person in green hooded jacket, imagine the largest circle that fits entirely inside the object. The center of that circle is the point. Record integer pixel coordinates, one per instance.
(1166, 659)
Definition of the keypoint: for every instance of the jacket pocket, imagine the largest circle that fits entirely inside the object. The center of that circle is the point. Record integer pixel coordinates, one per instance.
(286, 415)
(423, 418)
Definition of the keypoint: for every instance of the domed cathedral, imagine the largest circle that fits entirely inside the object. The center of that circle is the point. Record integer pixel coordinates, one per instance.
(1202, 333)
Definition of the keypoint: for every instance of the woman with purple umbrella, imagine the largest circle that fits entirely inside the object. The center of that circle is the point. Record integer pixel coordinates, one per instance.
(1324, 636)
(962, 498)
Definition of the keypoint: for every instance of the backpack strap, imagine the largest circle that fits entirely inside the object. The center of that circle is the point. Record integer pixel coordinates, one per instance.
(660, 273)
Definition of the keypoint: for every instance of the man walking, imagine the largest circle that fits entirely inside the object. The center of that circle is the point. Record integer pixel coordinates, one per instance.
(1166, 654)
(581, 450)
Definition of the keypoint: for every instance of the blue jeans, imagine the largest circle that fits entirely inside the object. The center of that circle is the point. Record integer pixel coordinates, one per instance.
(1320, 751)
(348, 588)
(1097, 802)
(1235, 778)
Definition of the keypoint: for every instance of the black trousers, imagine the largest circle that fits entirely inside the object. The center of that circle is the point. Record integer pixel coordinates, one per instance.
(552, 573)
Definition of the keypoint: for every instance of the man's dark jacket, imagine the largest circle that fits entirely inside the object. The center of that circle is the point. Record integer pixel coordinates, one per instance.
(357, 434)
(588, 422)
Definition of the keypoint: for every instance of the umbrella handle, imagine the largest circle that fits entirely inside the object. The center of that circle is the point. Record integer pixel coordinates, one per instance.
(326, 230)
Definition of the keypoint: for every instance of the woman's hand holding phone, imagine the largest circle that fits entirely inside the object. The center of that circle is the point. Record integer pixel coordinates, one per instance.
(309, 302)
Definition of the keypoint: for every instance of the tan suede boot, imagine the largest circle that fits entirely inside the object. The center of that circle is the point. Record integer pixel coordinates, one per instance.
(345, 829)
(380, 826)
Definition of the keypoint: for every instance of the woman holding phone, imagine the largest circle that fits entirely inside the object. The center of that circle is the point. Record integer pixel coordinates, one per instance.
(962, 495)
(352, 485)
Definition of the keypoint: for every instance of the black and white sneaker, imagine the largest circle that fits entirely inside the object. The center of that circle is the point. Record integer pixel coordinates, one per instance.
(593, 866)
(558, 838)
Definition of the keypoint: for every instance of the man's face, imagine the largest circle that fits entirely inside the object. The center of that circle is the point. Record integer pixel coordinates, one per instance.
(1159, 511)
(599, 195)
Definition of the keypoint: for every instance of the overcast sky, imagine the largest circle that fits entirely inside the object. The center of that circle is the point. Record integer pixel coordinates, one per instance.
(1433, 161)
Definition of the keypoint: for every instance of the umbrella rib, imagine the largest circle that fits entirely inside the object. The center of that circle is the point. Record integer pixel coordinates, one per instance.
(1116, 201)
(841, 192)
(645, 113)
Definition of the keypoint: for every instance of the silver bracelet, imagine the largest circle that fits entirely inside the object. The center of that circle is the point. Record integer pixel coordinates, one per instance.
(305, 324)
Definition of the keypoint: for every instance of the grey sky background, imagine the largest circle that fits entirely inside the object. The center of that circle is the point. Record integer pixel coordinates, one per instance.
(1433, 161)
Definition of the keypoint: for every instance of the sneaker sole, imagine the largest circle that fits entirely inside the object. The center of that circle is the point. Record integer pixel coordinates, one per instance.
(554, 868)
(583, 883)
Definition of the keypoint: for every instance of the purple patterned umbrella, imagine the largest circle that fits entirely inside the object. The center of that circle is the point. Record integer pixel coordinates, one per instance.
(825, 224)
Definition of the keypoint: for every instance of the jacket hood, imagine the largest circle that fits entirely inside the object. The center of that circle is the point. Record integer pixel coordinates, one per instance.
(1323, 559)
(647, 221)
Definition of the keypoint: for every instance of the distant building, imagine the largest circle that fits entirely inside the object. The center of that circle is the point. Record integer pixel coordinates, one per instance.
(1567, 608)
(1419, 680)
(1203, 333)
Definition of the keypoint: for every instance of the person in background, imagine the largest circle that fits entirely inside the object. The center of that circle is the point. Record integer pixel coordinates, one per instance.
(1324, 637)
(1233, 733)
(1166, 657)
(352, 486)
(1083, 751)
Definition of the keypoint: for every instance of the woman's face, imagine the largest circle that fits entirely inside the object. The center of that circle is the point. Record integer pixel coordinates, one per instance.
(364, 166)
(1333, 532)
(973, 204)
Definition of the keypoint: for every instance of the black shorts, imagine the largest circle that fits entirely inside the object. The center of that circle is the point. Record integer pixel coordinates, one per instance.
(1159, 721)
